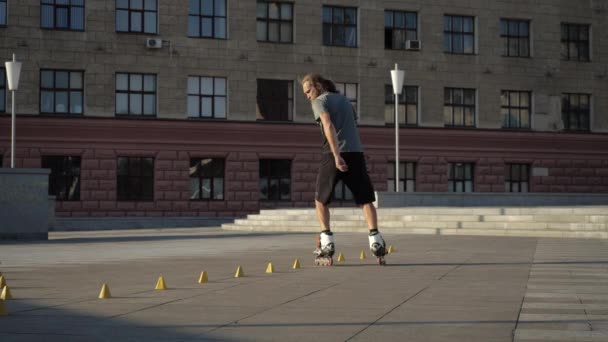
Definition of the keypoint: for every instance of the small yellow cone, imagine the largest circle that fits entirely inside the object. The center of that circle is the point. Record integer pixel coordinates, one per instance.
(105, 292)
(269, 268)
(2, 282)
(362, 256)
(340, 257)
(296, 264)
(160, 284)
(203, 278)
(3, 311)
(6, 293)
(391, 249)
(239, 272)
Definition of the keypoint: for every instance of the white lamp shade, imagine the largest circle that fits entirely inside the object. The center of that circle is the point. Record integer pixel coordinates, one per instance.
(397, 77)
(13, 70)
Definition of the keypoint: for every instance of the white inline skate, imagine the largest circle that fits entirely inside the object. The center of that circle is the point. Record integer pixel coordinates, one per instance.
(377, 246)
(325, 249)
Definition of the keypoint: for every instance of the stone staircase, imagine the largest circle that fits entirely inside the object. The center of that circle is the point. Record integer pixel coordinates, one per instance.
(567, 222)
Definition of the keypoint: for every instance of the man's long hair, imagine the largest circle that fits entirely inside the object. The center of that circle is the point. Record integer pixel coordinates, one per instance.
(320, 83)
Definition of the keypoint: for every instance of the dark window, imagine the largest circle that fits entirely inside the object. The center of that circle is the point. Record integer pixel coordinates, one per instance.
(459, 34)
(135, 179)
(62, 14)
(275, 22)
(515, 36)
(350, 91)
(515, 109)
(135, 94)
(206, 179)
(460, 177)
(340, 26)
(64, 180)
(407, 108)
(61, 92)
(1, 160)
(3, 90)
(138, 16)
(206, 97)
(575, 42)
(275, 100)
(517, 178)
(275, 179)
(207, 19)
(399, 27)
(407, 176)
(3, 12)
(459, 107)
(575, 111)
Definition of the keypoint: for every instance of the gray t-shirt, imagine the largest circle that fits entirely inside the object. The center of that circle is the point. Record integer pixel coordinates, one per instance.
(343, 117)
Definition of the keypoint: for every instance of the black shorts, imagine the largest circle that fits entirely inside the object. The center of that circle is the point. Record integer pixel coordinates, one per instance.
(356, 178)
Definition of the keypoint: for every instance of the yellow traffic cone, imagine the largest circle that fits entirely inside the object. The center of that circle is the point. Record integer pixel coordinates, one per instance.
(203, 278)
(340, 257)
(6, 293)
(3, 311)
(269, 268)
(105, 292)
(362, 256)
(239, 272)
(391, 249)
(2, 282)
(160, 284)
(296, 264)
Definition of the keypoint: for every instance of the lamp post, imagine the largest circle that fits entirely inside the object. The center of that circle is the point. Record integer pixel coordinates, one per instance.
(13, 70)
(397, 77)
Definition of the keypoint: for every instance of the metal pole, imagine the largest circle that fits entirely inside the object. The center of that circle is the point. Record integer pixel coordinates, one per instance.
(13, 131)
(396, 143)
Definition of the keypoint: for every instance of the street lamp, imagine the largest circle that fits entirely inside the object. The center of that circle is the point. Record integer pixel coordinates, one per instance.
(13, 70)
(397, 77)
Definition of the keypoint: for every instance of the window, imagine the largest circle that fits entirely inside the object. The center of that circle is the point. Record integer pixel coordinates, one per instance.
(207, 19)
(515, 109)
(275, 179)
(61, 92)
(399, 27)
(407, 108)
(137, 16)
(64, 180)
(575, 42)
(275, 22)
(459, 107)
(207, 97)
(407, 176)
(459, 34)
(275, 100)
(62, 14)
(3, 12)
(135, 178)
(517, 178)
(206, 179)
(575, 111)
(342, 192)
(3, 90)
(460, 177)
(350, 91)
(340, 26)
(135, 94)
(515, 35)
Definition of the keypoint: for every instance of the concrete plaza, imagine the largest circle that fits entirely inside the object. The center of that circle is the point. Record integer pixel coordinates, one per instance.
(434, 288)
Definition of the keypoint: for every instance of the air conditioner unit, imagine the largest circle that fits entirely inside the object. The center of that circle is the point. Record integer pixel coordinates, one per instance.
(412, 45)
(154, 43)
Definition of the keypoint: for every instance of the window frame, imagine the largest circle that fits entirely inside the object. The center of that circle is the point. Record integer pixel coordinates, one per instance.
(579, 43)
(390, 30)
(198, 175)
(343, 89)
(451, 33)
(523, 172)
(403, 106)
(268, 165)
(408, 182)
(267, 21)
(3, 89)
(62, 181)
(454, 105)
(332, 26)
(130, 11)
(130, 195)
(201, 17)
(509, 37)
(4, 20)
(578, 112)
(260, 115)
(513, 108)
(213, 97)
(454, 180)
(130, 92)
(69, 7)
(69, 90)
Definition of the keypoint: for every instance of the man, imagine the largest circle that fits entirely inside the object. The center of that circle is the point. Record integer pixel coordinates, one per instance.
(342, 159)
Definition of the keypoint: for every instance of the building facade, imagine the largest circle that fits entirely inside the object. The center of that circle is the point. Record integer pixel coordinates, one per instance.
(194, 108)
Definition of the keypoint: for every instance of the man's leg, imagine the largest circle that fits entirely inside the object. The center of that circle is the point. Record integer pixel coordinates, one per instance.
(371, 218)
(322, 215)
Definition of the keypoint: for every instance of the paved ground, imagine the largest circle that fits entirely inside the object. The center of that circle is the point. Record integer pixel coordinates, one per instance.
(435, 288)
